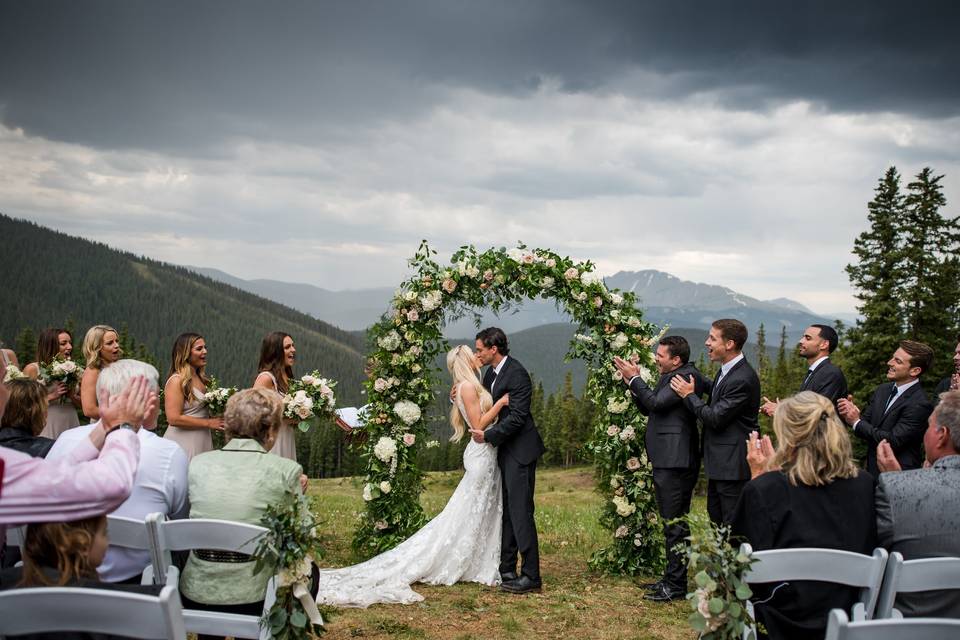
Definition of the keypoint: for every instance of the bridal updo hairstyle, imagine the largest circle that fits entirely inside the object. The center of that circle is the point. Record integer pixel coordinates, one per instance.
(463, 368)
(813, 448)
(66, 547)
(253, 413)
(180, 363)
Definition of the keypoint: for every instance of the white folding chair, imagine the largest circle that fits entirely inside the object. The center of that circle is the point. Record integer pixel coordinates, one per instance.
(131, 533)
(220, 535)
(911, 576)
(61, 609)
(823, 565)
(839, 627)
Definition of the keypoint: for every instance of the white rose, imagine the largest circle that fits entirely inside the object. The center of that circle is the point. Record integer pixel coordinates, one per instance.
(582, 296)
(619, 341)
(548, 283)
(551, 263)
(613, 430)
(380, 525)
(616, 299)
(645, 375)
(571, 273)
(621, 531)
(634, 322)
(624, 507)
(410, 296)
(627, 434)
(473, 271)
(380, 385)
(515, 254)
(368, 492)
(385, 487)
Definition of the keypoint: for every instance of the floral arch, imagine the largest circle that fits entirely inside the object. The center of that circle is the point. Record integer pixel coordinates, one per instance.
(403, 379)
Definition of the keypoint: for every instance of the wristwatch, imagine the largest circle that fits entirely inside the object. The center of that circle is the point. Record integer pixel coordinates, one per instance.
(122, 425)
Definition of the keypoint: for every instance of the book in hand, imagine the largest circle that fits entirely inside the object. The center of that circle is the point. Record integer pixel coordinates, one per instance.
(353, 417)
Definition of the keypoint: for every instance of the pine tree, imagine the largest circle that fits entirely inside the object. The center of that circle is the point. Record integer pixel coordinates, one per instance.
(875, 277)
(930, 290)
(763, 359)
(26, 347)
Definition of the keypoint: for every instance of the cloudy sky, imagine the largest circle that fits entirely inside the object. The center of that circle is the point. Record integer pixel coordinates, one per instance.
(734, 143)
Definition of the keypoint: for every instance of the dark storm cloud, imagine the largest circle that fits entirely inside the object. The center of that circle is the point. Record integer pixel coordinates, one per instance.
(189, 76)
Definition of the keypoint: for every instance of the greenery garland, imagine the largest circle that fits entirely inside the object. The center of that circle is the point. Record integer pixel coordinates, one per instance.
(401, 386)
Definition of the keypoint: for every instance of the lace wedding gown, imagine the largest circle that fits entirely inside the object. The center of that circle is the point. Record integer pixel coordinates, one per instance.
(461, 544)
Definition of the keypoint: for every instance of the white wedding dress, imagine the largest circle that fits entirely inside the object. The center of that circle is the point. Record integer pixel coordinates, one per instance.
(461, 544)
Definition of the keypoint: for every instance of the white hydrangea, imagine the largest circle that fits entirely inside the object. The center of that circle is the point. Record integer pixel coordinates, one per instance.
(408, 411)
(591, 277)
(385, 449)
(618, 405)
(515, 254)
(616, 299)
(389, 341)
(620, 340)
(431, 300)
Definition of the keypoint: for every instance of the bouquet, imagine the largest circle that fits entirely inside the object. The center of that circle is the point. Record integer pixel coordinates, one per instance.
(14, 373)
(216, 397)
(308, 399)
(61, 370)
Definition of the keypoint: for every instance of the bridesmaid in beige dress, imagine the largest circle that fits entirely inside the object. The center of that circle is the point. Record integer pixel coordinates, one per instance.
(190, 424)
(101, 348)
(277, 355)
(62, 402)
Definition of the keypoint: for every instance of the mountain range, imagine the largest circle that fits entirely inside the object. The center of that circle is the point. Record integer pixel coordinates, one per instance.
(664, 298)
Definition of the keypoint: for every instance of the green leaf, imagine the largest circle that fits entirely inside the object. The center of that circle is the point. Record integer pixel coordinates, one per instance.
(744, 592)
(304, 426)
(735, 609)
(697, 622)
(716, 606)
(298, 619)
(701, 579)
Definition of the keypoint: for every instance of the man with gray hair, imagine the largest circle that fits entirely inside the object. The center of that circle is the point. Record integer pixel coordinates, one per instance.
(917, 512)
(161, 480)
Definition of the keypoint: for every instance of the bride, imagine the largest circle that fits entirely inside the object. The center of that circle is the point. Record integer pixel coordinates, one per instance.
(462, 543)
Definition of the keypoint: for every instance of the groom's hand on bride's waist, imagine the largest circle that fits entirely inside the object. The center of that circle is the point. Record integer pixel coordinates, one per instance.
(477, 435)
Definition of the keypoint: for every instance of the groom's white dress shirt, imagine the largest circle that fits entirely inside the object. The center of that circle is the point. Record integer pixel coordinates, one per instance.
(496, 372)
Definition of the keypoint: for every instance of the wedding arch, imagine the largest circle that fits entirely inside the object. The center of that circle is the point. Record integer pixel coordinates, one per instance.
(403, 384)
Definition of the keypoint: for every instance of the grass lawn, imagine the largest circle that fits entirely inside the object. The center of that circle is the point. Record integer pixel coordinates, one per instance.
(575, 602)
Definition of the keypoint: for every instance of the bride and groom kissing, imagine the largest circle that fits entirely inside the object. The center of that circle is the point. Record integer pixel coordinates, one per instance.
(489, 518)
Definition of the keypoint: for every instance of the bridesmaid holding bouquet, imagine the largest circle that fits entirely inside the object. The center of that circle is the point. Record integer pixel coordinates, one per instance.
(101, 348)
(190, 422)
(277, 355)
(62, 400)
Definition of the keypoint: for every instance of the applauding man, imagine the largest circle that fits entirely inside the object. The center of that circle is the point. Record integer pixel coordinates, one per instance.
(816, 344)
(673, 448)
(898, 409)
(728, 419)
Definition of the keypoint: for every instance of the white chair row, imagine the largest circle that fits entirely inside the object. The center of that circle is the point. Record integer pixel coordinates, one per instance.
(160, 537)
(879, 577)
(839, 627)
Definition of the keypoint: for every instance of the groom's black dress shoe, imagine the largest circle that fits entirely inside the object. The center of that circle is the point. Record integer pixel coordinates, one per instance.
(509, 576)
(651, 586)
(523, 584)
(665, 594)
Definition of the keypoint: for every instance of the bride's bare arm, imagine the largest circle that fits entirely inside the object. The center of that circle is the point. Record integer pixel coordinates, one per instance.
(471, 402)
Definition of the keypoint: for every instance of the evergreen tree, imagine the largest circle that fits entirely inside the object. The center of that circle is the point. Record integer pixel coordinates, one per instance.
(763, 359)
(875, 277)
(781, 373)
(26, 347)
(929, 291)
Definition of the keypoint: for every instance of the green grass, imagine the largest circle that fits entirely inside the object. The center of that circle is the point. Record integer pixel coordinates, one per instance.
(575, 601)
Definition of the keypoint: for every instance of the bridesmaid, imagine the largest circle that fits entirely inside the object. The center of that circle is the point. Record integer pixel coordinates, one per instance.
(62, 403)
(190, 425)
(277, 354)
(101, 348)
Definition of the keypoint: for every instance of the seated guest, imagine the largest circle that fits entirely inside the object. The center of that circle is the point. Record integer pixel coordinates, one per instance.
(237, 483)
(806, 493)
(25, 418)
(66, 554)
(917, 511)
(161, 480)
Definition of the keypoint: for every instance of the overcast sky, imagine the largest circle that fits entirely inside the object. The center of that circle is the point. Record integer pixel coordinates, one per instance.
(734, 143)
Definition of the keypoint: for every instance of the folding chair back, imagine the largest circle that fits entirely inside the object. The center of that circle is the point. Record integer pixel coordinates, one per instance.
(61, 609)
(911, 576)
(839, 627)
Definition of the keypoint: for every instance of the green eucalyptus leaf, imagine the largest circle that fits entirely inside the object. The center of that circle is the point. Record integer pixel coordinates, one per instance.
(716, 606)
(298, 619)
(744, 592)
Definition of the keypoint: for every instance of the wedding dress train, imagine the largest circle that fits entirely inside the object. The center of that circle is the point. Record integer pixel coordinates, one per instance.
(461, 544)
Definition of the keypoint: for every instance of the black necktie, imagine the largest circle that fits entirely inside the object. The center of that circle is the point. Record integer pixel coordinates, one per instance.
(806, 380)
(893, 396)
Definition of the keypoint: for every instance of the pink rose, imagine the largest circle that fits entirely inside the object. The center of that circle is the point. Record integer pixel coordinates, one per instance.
(449, 285)
(598, 302)
(527, 258)
(409, 439)
(412, 315)
(551, 263)
(488, 275)
(571, 273)
(613, 430)
(633, 464)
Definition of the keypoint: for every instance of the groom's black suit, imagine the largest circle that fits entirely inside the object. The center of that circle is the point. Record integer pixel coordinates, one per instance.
(518, 446)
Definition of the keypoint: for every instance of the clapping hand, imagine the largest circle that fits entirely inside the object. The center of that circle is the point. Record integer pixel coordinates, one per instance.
(955, 382)
(886, 461)
(848, 411)
(131, 406)
(627, 369)
(760, 454)
(769, 406)
(682, 387)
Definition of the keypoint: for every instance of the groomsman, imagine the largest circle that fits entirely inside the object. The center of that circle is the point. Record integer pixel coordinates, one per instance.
(728, 419)
(673, 448)
(816, 344)
(898, 409)
(951, 382)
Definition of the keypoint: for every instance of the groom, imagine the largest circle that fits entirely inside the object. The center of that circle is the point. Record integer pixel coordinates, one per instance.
(518, 447)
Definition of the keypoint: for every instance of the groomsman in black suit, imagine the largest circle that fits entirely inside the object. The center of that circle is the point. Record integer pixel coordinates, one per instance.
(673, 448)
(518, 447)
(898, 409)
(951, 382)
(728, 419)
(816, 344)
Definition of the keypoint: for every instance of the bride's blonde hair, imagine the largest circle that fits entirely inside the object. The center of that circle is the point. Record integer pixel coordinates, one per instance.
(460, 364)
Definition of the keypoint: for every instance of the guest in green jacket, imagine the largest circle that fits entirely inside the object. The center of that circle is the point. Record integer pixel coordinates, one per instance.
(237, 483)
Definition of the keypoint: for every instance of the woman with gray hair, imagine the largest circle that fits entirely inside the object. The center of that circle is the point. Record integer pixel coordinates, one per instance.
(237, 483)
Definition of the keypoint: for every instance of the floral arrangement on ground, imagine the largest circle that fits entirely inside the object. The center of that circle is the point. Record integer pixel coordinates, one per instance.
(407, 340)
